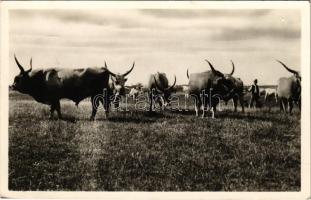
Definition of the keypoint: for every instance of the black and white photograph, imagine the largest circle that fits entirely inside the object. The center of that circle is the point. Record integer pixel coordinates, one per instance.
(155, 97)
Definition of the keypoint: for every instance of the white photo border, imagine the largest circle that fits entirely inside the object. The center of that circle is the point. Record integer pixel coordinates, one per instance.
(303, 6)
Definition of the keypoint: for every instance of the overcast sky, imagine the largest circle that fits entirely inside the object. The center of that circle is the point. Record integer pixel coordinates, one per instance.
(159, 40)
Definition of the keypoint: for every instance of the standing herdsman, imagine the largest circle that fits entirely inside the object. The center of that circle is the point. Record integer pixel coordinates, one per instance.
(254, 89)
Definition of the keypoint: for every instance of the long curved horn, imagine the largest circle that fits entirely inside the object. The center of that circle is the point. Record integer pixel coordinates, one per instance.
(19, 65)
(288, 69)
(173, 84)
(211, 66)
(126, 73)
(187, 74)
(112, 74)
(156, 83)
(232, 68)
(213, 69)
(29, 70)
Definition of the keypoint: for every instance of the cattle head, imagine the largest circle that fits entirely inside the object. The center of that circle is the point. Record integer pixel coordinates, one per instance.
(232, 71)
(229, 79)
(294, 72)
(297, 78)
(22, 80)
(118, 81)
(218, 82)
(166, 91)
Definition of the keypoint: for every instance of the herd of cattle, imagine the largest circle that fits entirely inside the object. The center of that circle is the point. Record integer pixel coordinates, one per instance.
(49, 85)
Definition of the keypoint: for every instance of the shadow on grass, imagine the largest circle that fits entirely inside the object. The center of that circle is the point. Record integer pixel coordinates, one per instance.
(137, 117)
(228, 114)
(240, 115)
(153, 114)
(132, 117)
(182, 112)
(275, 117)
(69, 119)
(65, 118)
(260, 115)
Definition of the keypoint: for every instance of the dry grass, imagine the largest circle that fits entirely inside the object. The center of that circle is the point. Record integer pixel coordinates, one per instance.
(165, 151)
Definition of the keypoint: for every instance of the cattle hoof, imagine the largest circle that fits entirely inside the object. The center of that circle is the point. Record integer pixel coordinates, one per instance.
(92, 118)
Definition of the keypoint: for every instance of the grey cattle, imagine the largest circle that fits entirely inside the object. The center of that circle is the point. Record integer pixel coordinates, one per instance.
(289, 89)
(205, 88)
(49, 85)
(270, 97)
(159, 89)
(117, 85)
(134, 93)
(236, 87)
(185, 89)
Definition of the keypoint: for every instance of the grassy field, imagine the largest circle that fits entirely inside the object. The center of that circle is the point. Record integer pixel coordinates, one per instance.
(165, 151)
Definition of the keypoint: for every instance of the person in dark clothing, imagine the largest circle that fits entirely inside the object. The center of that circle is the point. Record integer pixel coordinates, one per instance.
(254, 89)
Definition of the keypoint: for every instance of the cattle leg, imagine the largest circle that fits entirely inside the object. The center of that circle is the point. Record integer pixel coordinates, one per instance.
(107, 108)
(150, 97)
(106, 104)
(94, 102)
(281, 105)
(57, 107)
(290, 103)
(284, 103)
(116, 104)
(204, 106)
(207, 100)
(235, 103)
(266, 101)
(161, 103)
(186, 97)
(241, 99)
(52, 109)
(197, 107)
(214, 110)
(299, 104)
(269, 106)
(276, 98)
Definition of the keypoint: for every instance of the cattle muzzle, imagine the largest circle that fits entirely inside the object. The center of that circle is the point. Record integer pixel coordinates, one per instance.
(122, 92)
(13, 87)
